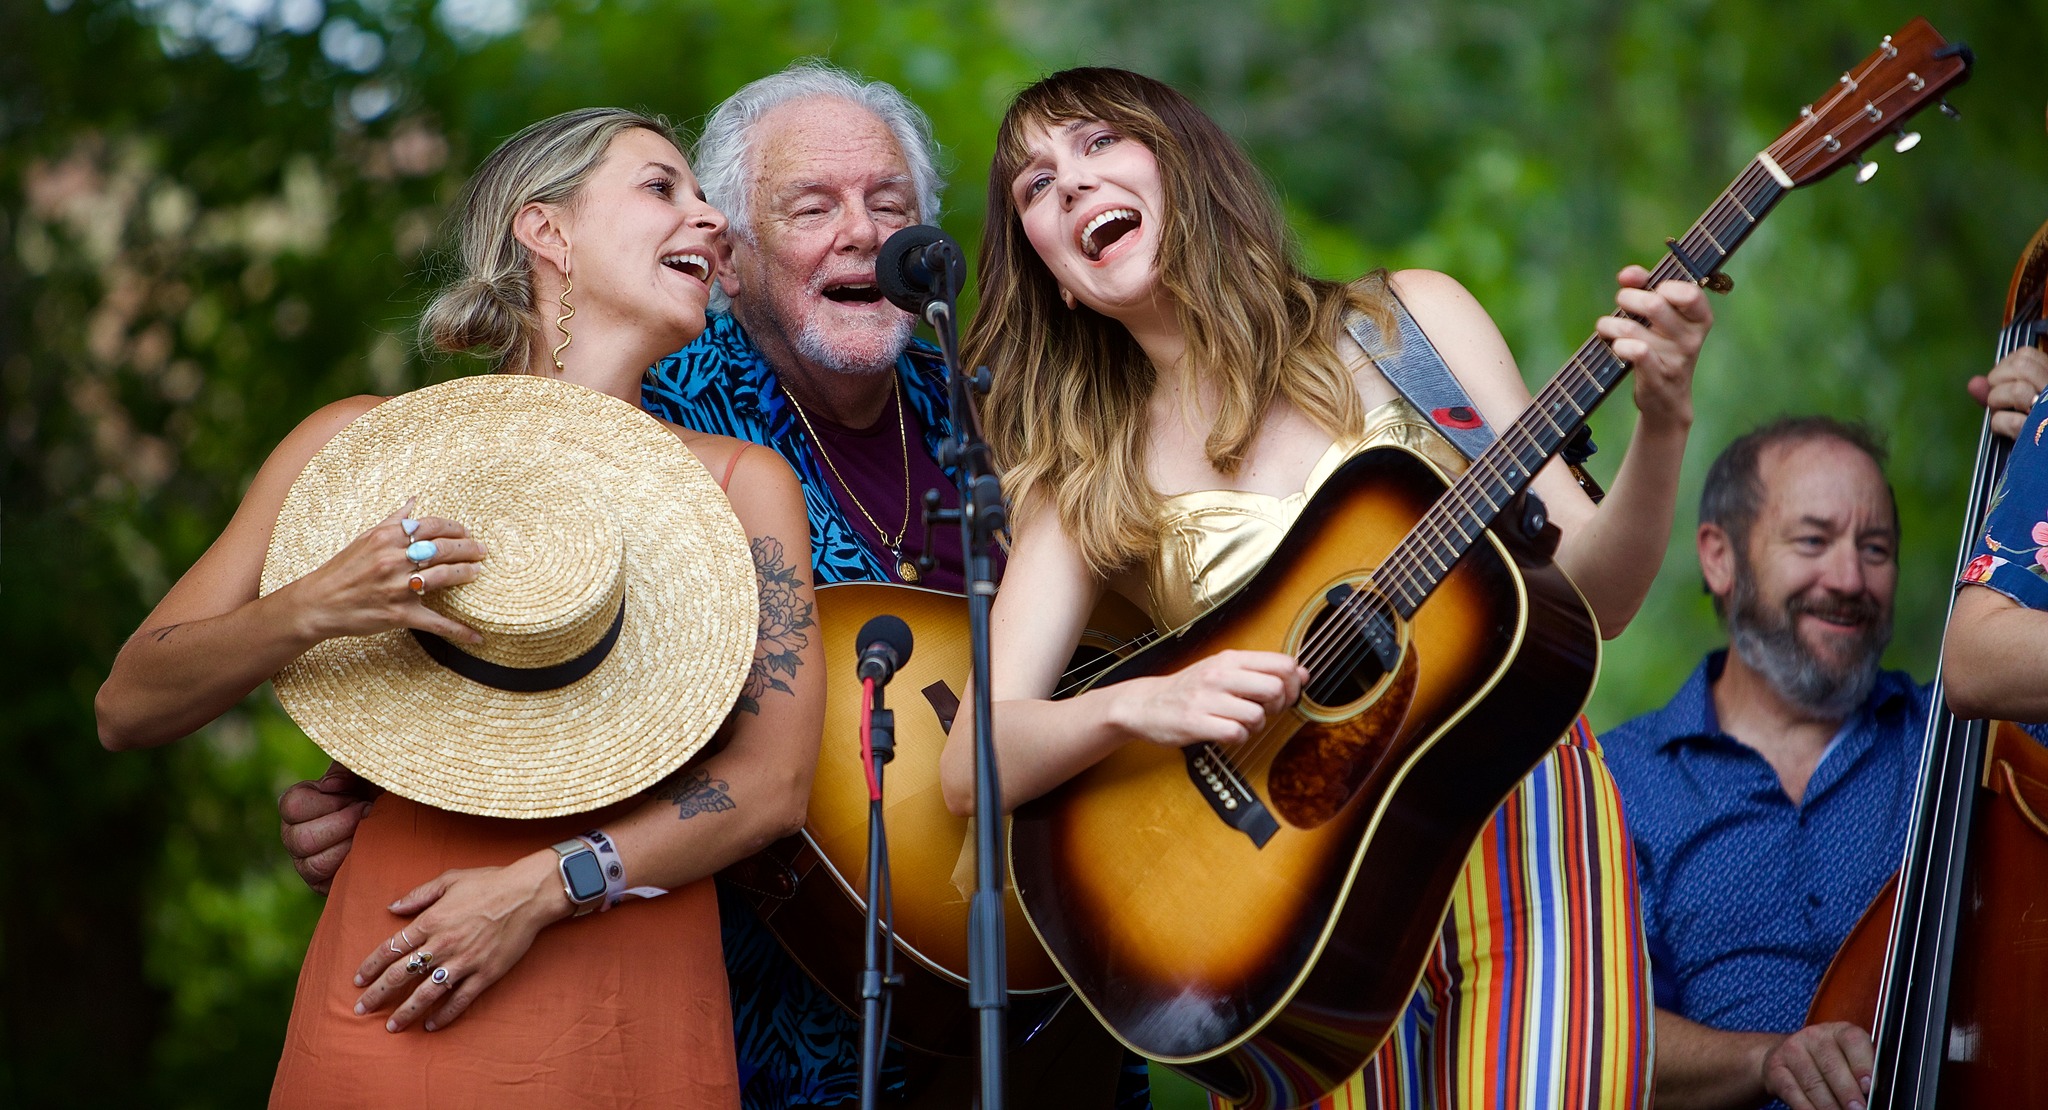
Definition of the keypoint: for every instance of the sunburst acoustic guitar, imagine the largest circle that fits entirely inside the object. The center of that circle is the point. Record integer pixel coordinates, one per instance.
(1257, 916)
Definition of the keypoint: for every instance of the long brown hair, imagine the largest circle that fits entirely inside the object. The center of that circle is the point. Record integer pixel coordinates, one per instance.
(1067, 415)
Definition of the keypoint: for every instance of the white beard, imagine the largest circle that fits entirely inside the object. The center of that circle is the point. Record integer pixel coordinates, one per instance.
(879, 357)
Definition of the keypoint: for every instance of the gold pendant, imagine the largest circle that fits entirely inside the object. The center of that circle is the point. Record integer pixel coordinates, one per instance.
(907, 570)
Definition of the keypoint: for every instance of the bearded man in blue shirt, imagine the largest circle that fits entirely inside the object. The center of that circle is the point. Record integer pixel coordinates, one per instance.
(1768, 802)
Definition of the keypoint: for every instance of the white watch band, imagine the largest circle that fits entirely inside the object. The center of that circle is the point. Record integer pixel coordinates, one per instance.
(614, 868)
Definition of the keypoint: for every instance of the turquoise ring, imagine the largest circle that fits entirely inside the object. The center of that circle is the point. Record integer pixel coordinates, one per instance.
(419, 551)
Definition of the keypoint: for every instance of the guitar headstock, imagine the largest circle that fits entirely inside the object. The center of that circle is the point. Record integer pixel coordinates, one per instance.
(1912, 68)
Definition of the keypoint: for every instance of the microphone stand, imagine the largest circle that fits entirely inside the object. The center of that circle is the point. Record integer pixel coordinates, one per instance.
(981, 517)
(878, 980)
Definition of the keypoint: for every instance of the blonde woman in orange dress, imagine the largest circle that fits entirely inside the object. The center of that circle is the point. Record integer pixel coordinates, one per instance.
(522, 1007)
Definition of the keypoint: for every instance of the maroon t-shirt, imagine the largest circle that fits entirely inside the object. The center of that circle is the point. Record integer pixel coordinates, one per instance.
(870, 461)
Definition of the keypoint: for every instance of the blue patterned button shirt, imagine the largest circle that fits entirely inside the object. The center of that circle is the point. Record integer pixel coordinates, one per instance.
(721, 384)
(1746, 895)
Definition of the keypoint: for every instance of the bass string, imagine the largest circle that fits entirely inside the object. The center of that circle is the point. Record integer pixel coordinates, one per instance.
(1929, 917)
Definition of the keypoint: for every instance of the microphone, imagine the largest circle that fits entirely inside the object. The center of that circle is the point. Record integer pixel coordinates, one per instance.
(884, 643)
(918, 265)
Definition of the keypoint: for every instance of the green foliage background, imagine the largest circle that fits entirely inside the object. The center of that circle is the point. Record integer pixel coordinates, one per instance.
(216, 215)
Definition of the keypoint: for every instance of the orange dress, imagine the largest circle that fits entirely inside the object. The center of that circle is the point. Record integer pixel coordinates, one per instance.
(623, 1007)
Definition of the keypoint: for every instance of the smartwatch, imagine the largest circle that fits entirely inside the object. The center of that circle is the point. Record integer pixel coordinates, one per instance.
(582, 876)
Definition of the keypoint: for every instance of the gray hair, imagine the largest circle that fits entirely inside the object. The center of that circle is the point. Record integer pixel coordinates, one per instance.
(489, 308)
(724, 154)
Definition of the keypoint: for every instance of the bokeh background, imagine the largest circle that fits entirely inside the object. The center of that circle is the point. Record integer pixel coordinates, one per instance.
(216, 215)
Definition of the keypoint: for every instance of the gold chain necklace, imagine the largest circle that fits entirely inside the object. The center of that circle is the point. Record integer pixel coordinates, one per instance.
(905, 569)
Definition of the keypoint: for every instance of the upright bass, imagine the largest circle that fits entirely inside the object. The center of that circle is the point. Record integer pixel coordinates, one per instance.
(1949, 965)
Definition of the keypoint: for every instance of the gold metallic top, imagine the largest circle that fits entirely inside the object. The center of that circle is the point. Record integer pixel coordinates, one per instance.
(1212, 540)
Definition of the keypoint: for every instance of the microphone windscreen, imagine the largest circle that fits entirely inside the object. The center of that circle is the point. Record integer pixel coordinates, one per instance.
(886, 629)
(892, 274)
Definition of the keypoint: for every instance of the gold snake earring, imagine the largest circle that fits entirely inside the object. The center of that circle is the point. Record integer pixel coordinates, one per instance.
(562, 319)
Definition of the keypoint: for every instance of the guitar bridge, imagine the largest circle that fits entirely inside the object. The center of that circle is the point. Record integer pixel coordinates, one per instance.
(1228, 794)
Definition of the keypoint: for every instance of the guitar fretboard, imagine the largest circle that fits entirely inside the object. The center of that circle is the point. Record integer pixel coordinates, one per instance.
(1422, 560)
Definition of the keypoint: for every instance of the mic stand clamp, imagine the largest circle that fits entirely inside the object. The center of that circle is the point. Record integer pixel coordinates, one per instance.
(981, 517)
(878, 979)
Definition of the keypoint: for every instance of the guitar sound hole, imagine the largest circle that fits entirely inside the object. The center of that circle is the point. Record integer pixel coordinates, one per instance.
(1350, 645)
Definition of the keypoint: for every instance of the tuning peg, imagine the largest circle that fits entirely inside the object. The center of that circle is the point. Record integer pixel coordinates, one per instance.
(1948, 110)
(1865, 171)
(1907, 140)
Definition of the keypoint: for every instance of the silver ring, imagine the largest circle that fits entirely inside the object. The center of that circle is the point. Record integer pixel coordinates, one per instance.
(392, 947)
(440, 976)
(421, 552)
(418, 964)
(409, 942)
(410, 525)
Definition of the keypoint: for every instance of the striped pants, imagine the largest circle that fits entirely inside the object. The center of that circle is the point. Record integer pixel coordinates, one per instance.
(1538, 993)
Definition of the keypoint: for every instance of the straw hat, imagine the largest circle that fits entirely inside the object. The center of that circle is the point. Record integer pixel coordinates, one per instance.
(596, 518)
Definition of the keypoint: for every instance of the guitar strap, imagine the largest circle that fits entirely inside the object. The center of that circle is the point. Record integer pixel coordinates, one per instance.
(1421, 376)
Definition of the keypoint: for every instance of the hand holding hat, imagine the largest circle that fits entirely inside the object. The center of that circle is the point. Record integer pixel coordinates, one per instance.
(367, 587)
(616, 615)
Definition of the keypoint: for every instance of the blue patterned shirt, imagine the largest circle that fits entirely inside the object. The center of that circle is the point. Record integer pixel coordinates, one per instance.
(1746, 895)
(721, 384)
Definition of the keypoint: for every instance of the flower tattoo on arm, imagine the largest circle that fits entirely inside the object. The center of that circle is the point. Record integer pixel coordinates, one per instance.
(785, 614)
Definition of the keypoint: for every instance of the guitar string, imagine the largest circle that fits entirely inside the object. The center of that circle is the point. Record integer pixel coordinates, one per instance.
(1340, 640)
(1432, 529)
(1317, 652)
(1079, 678)
(1346, 644)
(1490, 466)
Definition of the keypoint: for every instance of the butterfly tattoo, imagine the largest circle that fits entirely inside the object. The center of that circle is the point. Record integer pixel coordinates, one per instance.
(698, 793)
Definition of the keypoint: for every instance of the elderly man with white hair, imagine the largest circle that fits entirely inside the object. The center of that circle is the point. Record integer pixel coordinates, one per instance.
(814, 168)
